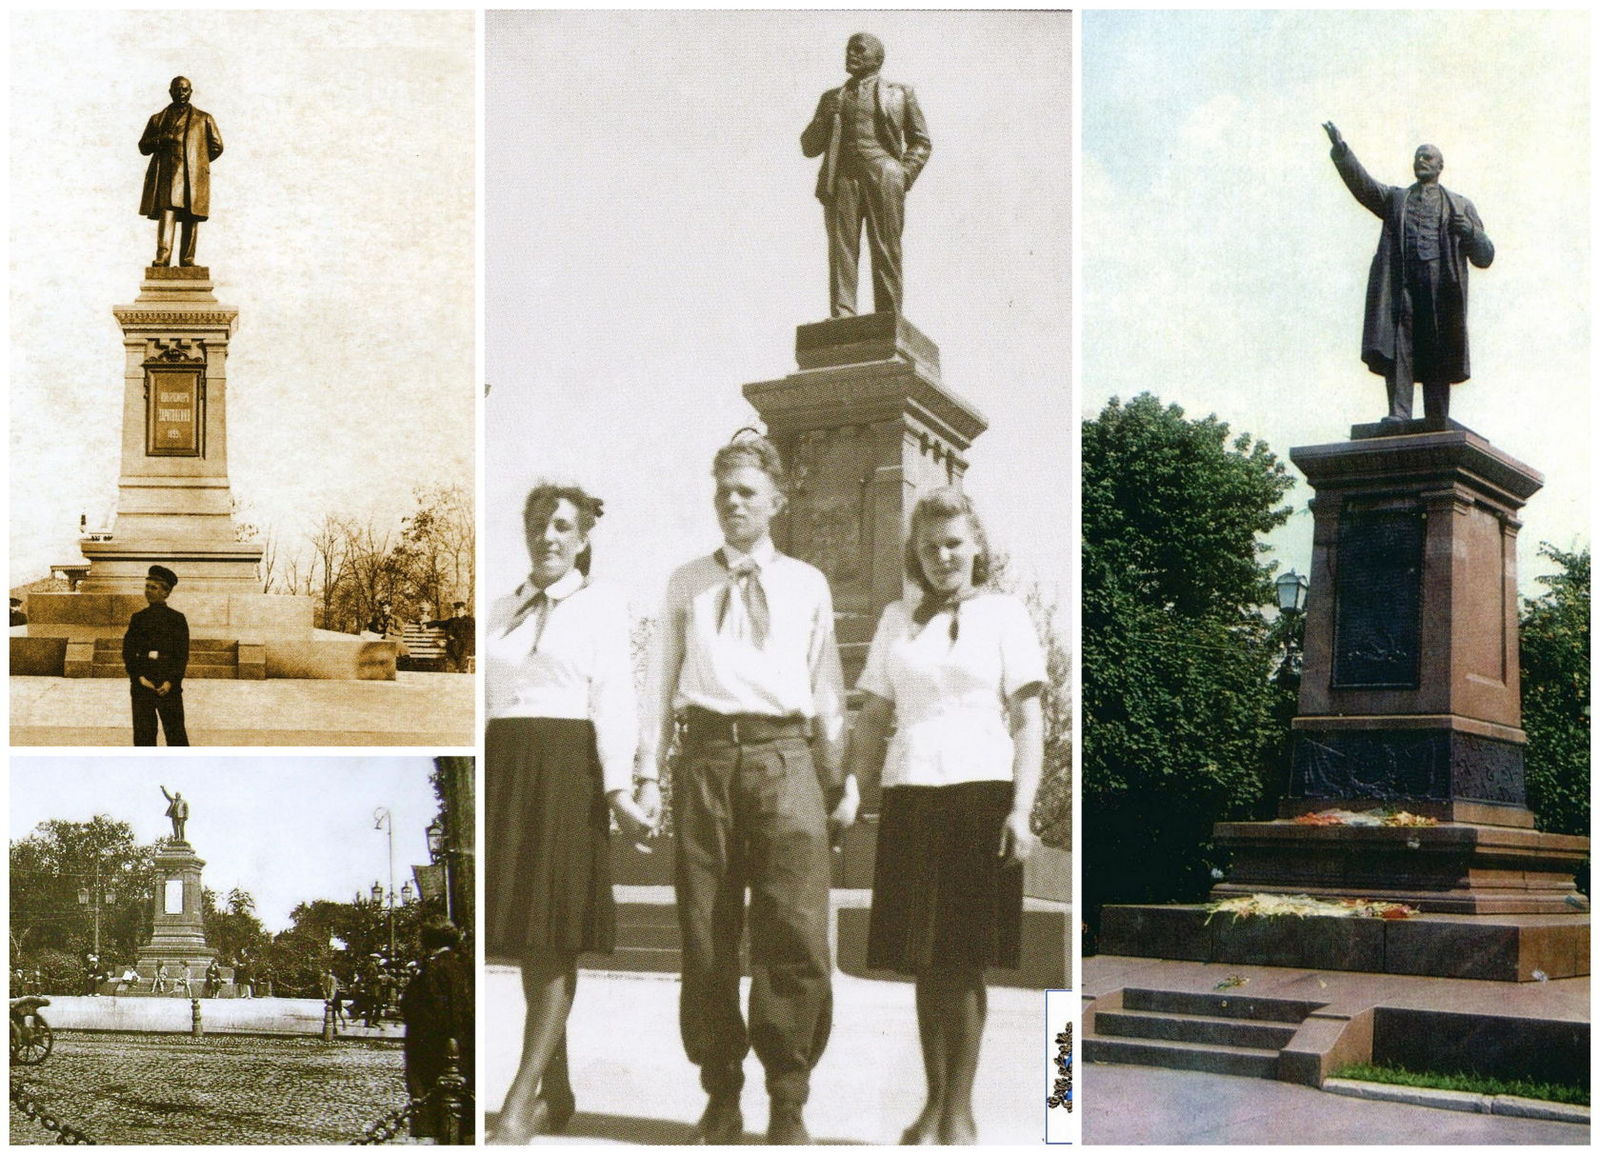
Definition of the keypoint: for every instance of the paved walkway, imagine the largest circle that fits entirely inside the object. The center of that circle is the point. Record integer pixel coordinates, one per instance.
(1135, 1105)
(634, 1084)
(415, 709)
(217, 1090)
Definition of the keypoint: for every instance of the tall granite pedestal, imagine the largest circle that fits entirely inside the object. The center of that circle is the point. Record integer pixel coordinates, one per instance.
(179, 937)
(1410, 700)
(175, 508)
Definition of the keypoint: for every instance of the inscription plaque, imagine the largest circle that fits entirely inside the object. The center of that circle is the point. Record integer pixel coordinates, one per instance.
(172, 899)
(174, 412)
(1378, 598)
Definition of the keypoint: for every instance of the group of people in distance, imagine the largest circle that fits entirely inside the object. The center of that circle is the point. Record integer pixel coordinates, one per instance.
(746, 678)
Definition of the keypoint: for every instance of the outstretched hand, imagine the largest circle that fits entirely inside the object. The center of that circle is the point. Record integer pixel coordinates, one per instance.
(843, 815)
(1333, 133)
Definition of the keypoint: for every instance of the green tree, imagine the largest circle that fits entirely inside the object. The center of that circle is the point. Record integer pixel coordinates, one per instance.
(1555, 694)
(232, 928)
(1178, 662)
(62, 871)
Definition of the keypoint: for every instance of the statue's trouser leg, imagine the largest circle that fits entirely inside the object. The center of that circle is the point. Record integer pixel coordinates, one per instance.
(1423, 278)
(191, 230)
(843, 220)
(1436, 399)
(1401, 377)
(165, 227)
(886, 204)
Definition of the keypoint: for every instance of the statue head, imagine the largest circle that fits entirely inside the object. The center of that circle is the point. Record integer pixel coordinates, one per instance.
(1428, 163)
(863, 54)
(180, 89)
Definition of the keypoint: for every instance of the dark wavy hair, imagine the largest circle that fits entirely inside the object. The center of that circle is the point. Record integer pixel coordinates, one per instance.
(541, 504)
(939, 505)
(751, 448)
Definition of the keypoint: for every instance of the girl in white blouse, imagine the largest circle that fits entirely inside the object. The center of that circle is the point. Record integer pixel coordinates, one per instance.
(958, 672)
(559, 750)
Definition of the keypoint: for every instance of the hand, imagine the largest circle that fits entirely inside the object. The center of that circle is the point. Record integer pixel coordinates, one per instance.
(843, 816)
(647, 796)
(1017, 839)
(147, 683)
(163, 689)
(633, 820)
(1461, 227)
(1333, 134)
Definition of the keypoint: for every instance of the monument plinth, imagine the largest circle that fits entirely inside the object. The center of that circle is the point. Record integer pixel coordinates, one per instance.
(179, 936)
(174, 504)
(865, 425)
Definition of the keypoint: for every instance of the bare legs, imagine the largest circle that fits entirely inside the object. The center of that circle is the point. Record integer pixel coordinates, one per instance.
(548, 984)
(951, 1007)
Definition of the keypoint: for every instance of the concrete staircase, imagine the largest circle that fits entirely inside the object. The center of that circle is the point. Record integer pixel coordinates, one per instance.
(208, 658)
(1225, 1034)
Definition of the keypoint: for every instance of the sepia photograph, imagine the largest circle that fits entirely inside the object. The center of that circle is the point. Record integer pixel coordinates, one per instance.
(778, 512)
(253, 950)
(1335, 627)
(265, 522)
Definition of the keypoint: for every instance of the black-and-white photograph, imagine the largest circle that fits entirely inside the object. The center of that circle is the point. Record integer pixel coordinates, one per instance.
(777, 803)
(242, 378)
(242, 950)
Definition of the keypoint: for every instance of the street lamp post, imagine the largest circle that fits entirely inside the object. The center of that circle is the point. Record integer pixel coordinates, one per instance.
(87, 897)
(1291, 590)
(383, 820)
(440, 853)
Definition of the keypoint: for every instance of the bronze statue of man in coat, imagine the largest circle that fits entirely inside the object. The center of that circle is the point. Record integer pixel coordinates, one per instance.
(181, 142)
(876, 143)
(1416, 313)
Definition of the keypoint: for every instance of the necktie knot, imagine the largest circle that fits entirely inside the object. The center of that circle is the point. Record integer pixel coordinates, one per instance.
(744, 613)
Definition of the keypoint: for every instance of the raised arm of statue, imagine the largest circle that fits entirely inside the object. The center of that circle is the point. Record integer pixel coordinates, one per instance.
(1374, 197)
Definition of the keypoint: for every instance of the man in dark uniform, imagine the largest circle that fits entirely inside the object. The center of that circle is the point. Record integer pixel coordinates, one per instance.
(437, 1007)
(155, 651)
(460, 634)
(382, 621)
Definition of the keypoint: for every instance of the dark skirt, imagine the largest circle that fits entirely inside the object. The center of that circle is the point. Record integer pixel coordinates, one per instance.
(547, 871)
(940, 895)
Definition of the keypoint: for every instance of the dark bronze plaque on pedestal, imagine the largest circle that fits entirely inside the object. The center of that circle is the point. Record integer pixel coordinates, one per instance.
(1378, 598)
(173, 404)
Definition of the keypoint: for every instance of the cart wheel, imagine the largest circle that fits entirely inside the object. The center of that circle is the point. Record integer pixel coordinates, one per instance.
(35, 1042)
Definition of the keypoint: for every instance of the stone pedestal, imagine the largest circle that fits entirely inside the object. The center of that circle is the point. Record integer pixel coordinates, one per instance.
(865, 425)
(1411, 695)
(179, 935)
(174, 506)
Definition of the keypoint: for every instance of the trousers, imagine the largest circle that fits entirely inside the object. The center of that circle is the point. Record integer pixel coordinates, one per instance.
(148, 706)
(873, 193)
(1416, 345)
(751, 816)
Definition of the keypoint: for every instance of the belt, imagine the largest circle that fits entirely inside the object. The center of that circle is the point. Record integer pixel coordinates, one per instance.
(742, 729)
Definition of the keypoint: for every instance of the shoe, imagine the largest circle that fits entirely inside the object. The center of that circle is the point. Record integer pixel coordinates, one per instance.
(513, 1134)
(786, 1128)
(722, 1123)
(562, 1108)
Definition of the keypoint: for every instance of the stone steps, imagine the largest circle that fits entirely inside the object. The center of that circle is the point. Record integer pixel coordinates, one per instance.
(208, 658)
(1193, 1031)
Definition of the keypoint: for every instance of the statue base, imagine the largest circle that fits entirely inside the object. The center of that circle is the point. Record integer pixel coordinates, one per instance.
(178, 937)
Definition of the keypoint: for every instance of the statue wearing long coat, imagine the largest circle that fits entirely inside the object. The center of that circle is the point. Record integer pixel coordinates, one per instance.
(181, 142)
(1385, 280)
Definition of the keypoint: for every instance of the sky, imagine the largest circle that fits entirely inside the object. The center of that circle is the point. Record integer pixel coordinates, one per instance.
(653, 240)
(1224, 264)
(341, 227)
(288, 830)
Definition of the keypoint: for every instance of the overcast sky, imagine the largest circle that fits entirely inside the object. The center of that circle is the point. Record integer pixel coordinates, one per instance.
(341, 228)
(288, 830)
(653, 240)
(1225, 264)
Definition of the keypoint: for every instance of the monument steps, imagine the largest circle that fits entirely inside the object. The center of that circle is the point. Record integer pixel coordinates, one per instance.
(208, 658)
(1182, 1030)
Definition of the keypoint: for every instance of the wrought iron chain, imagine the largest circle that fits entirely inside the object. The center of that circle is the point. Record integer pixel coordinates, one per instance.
(389, 1126)
(29, 1106)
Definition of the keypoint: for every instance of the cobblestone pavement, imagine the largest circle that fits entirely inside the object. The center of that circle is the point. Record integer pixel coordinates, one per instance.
(219, 1089)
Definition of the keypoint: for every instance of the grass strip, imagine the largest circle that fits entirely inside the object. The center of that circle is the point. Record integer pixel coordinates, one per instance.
(1478, 1084)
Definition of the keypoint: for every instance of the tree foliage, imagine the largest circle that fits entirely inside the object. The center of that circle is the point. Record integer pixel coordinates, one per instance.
(60, 859)
(1555, 694)
(1178, 661)
(349, 565)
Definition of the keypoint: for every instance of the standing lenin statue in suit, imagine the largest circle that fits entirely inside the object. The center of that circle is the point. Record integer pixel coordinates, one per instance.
(1416, 315)
(178, 811)
(874, 142)
(181, 142)
(155, 652)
